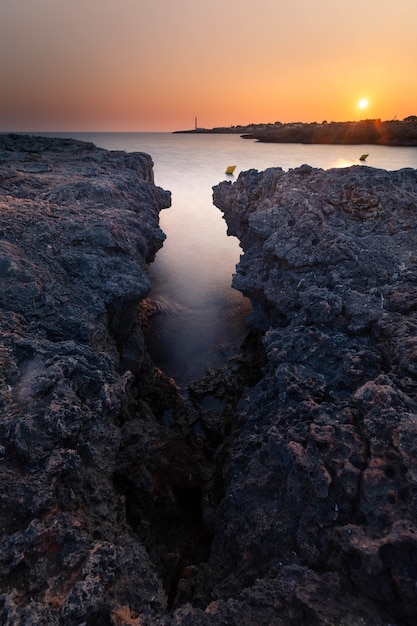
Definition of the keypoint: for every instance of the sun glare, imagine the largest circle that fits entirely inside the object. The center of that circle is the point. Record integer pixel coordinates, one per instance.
(362, 104)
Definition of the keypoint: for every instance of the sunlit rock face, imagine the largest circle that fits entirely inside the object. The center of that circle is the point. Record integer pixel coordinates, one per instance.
(320, 502)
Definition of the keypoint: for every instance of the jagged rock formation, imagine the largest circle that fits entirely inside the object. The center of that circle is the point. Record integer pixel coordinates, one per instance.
(282, 489)
(374, 131)
(78, 227)
(319, 516)
(109, 478)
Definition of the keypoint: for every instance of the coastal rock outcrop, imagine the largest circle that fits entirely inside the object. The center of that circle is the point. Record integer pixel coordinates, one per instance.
(374, 131)
(78, 227)
(319, 516)
(279, 490)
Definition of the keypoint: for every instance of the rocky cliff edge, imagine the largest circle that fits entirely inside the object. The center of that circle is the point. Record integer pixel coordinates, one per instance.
(320, 507)
(78, 227)
(291, 498)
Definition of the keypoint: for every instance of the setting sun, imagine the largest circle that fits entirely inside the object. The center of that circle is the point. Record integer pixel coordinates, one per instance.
(48, 83)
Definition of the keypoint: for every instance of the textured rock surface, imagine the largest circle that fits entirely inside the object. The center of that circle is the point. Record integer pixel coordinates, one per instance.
(105, 469)
(279, 491)
(319, 517)
(78, 227)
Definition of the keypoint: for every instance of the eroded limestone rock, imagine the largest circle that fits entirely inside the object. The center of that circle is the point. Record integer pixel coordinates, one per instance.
(282, 489)
(322, 472)
(78, 227)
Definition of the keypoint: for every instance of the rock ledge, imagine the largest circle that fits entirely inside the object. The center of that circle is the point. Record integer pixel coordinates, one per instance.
(78, 227)
(320, 509)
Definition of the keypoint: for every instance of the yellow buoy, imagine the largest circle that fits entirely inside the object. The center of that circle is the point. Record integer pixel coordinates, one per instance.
(230, 169)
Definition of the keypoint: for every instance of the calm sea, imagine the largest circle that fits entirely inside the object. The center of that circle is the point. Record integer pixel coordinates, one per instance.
(201, 318)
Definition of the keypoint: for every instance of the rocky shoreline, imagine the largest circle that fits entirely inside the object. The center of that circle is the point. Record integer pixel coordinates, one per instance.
(325, 451)
(104, 467)
(278, 490)
(368, 132)
(78, 227)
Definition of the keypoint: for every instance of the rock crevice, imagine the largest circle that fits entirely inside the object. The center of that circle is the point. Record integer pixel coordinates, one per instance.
(110, 478)
(79, 226)
(280, 489)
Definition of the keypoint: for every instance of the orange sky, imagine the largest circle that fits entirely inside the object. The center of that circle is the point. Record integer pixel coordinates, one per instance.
(143, 65)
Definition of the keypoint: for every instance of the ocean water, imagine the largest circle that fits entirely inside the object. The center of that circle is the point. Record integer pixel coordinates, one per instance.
(201, 319)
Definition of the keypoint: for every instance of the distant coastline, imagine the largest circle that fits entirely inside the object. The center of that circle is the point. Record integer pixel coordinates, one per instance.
(388, 133)
(220, 130)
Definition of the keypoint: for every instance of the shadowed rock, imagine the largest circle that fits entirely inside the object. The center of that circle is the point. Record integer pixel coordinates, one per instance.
(282, 489)
(78, 227)
(374, 131)
(321, 481)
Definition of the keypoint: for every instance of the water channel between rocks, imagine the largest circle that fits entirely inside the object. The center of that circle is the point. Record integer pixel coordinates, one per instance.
(169, 498)
(199, 319)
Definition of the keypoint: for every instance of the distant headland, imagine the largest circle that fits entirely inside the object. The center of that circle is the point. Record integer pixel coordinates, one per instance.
(388, 133)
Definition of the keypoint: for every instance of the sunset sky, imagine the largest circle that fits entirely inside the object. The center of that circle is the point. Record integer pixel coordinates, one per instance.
(155, 65)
